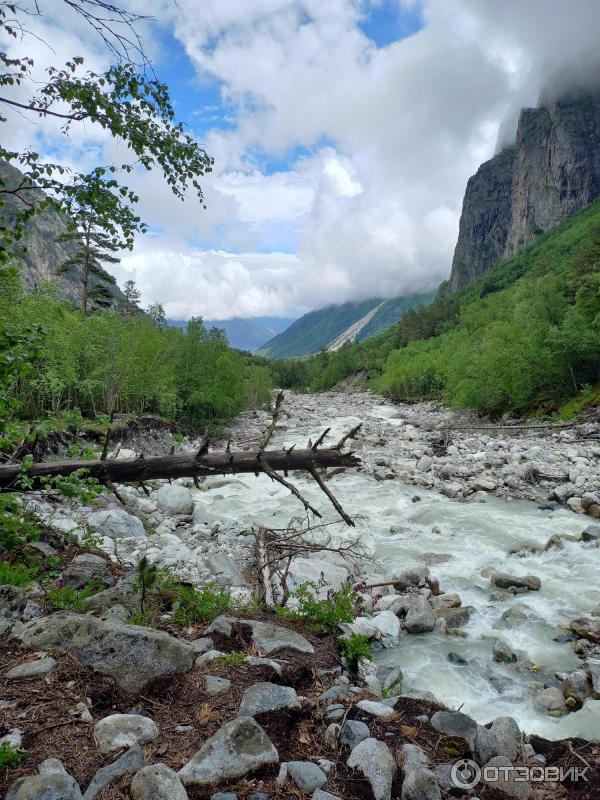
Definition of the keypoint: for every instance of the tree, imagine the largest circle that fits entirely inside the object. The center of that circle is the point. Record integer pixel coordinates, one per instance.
(123, 101)
(157, 314)
(132, 297)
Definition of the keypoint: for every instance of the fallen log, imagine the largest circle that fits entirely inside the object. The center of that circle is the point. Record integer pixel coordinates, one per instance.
(189, 465)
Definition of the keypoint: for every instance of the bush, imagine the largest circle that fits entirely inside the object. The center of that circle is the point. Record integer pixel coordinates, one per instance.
(355, 647)
(16, 574)
(10, 755)
(326, 614)
(200, 605)
(67, 598)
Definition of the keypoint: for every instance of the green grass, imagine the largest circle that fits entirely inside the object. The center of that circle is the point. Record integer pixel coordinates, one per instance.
(17, 574)
(10, 755)
(67, 598)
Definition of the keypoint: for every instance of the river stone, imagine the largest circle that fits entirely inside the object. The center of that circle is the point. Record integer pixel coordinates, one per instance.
(455, 723)
(575, 685)
(238, 748)
(116, 524)
(124, 730)
(502, 654)
(225, 570)
(52, 783)
(175, 499)
(504, 581)
(12, 602)
(593, 671)
(591, 534)
(131, 654)
(391, 679)
(306, 775)
(388, 628)
(85, 568)
(213, 685)
(507, 783)
(485, 746)
(375, 709)
(264, 697)
(130, 760)
(321, 795)
(586, 628)
(377, 764)
(353, 732)
(223, 796)
(415, 575)
(508, 735)
(31, 669)
(420, 783)
(157, 782)
(420, 618)
(551, 701)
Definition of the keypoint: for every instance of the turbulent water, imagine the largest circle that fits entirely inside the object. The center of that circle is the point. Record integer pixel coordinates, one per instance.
(475, 536)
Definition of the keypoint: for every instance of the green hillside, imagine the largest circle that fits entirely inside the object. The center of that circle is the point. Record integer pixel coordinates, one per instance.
(527, 335)
(320, 328)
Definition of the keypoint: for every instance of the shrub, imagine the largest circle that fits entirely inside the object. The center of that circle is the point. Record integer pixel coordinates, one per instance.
(67, 598)
(16, 574)
(237, 659)
(10, 755)
(355, 647)
(325, 614)
(200, 605)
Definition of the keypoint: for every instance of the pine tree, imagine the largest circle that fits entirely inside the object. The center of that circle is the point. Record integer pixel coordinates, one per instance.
(132, 297)
(94, 248)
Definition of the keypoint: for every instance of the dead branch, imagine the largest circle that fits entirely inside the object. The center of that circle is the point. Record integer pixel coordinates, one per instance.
(275, 477)
(271, 429)
(347, 519)
(350, 435)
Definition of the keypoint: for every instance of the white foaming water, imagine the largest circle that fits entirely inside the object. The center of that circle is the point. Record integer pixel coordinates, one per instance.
(475, 537)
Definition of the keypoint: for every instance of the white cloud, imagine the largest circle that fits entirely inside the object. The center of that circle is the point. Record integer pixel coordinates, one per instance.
(375, 209)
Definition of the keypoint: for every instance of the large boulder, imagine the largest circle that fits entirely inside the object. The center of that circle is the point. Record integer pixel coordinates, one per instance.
(267, 638)
(377, 764)
(116, 524)
(420, 618)
(172, 498)
(133, 655)
(238, 748)
(455, 723)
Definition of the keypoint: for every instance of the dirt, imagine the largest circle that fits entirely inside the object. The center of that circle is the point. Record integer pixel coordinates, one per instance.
(41, 708)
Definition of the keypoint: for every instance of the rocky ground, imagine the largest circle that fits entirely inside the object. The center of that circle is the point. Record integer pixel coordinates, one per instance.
(253, 706)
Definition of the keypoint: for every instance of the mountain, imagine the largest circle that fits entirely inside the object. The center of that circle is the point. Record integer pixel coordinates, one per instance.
(550, 173)
(245, 333)
(336, 326)
(42, 256)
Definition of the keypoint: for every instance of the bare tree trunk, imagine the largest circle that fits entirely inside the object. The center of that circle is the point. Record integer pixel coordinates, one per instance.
(86, 269)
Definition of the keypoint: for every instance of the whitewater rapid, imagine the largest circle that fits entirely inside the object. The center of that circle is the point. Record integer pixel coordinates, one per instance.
(471, 536)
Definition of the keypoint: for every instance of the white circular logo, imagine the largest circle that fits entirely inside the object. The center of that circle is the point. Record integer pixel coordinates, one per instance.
(465, 774)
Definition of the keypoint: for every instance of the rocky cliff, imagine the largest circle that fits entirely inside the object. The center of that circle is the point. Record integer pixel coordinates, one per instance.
(551, 172)
(41, 254)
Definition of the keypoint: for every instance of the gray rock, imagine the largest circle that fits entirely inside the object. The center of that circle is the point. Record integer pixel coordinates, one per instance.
(419, 618)
(454, 617)
(264, 697)
(258, 796)
(270, 639)
(335, 691)
(132, 759)
(504, 581)
(576, 686)
(131, 654)
(508, 735)
(202, 645)
(321, 795)
(226, 571)
(306, 775)
(157, 782)
(416, 575)
(124, 730)
(85, 568)
(214, 685)
(455, 723)
(593, 672)
(502, 654)
(116, 524)
(420, 782)
(353, 732)
(551, 701)
(587, 628)
(236, 749)
(52, 783)
(506, 782)
(123, 594)
(591, 534)
(31, 669)
(376, 709)
(12, 602)
(224, 796)
(391, 679)
(377, 764)
(172, 498)
(485, 746)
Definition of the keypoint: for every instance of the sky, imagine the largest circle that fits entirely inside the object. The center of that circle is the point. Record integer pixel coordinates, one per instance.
(343, 134)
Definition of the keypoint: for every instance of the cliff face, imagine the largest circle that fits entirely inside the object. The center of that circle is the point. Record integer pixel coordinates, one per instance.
(42, 255)
(552, 172)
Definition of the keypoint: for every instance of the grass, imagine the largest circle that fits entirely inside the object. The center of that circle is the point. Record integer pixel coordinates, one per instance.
(200, 605)
(66, 598)
(237, 659)
(17, 574)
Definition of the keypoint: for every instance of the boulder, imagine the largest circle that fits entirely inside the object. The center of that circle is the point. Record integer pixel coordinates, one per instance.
(591, 533)
(321, 795)
(485, 745)
(214, 686)
(551, 701)
(454, 617)
(12, 602)
(420, 782)
(124, 730)
(264, 697)
(238, 748)
(157, 782)
(415, 575)
(307, 776)
(387, 625)
(508, 735)
(52, 783)
(31, 669)
(377, 764)
(130, 760)
(85, 568)
(420, 618)
(506, 781)
(172, 498)
(353, 732)
(116, 524)
(269, 639)
(502, 654)
(455, 723)
(530, 583)
(376, 709)
(587, 628)
(132, 655)
(575, 686)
